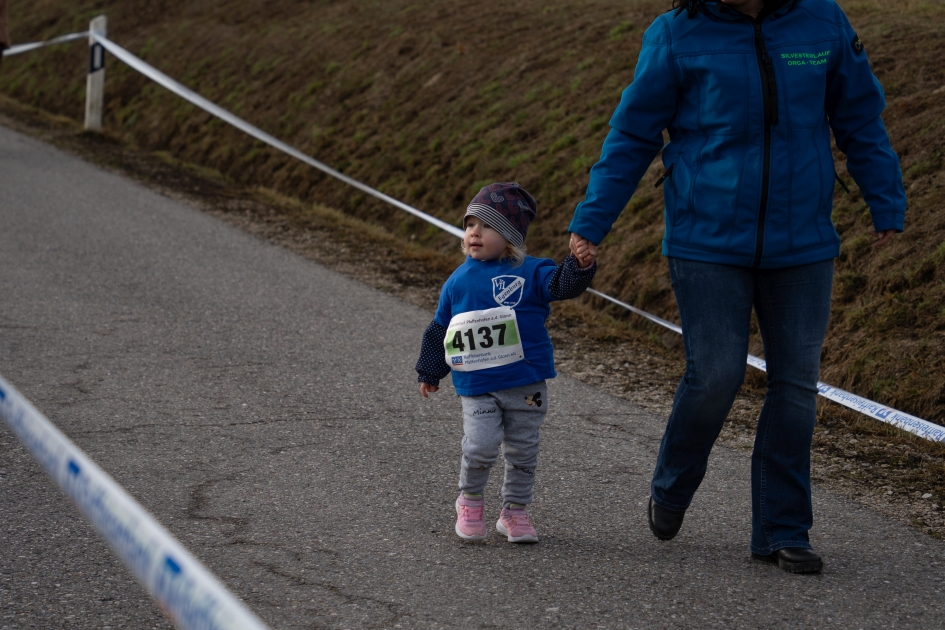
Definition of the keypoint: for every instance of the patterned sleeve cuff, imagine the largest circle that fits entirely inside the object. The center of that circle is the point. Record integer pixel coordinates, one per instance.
(429, 380)
(569, 281)
(577, 268)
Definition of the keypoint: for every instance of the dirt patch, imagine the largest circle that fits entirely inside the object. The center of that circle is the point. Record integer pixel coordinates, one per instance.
(889, 470)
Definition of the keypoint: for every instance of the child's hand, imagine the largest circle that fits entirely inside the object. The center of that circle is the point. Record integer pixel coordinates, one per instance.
(426, 389)
(586, 259)
(583, 250)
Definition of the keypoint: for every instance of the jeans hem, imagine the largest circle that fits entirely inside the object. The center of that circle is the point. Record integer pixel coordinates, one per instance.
(770, 549)
(672, 507)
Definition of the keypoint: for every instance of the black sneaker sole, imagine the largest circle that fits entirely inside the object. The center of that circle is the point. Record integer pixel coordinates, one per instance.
(660, 535)
(814, 566)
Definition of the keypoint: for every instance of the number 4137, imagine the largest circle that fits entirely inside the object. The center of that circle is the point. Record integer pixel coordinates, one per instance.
(484, 334)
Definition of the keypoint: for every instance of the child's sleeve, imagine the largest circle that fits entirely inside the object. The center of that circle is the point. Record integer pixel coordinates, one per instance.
(431, 366)
(568, 280)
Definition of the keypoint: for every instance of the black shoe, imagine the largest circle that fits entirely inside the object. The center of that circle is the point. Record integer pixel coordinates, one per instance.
(664, 523)
(794, 560)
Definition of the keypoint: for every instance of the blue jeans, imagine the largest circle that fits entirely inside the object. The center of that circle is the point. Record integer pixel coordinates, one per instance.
(715, 302)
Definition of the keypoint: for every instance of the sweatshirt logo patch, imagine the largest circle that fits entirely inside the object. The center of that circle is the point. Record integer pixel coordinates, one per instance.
(507, 290)
(857, 44)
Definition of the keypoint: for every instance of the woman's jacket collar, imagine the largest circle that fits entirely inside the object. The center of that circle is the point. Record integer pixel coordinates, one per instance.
(719, 10)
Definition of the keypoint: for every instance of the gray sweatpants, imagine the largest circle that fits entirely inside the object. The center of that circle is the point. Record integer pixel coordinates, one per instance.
(511, 418)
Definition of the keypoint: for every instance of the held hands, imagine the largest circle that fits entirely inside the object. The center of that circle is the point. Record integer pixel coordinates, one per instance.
(426, 389)
(583, 250)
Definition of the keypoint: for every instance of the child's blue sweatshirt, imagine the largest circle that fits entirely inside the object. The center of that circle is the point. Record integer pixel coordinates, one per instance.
(480, 285)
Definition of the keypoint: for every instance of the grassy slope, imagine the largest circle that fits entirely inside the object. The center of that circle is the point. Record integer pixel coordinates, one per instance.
(429, 101)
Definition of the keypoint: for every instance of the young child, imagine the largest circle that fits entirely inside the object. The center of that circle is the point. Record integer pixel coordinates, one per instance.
(489, 329)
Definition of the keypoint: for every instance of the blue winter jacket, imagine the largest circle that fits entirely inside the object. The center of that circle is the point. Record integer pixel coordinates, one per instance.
(749, 106)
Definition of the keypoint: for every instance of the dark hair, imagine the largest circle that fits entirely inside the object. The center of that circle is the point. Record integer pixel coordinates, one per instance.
(691, 7)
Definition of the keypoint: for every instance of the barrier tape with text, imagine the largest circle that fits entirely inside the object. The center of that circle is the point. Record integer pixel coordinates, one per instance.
(187, 592)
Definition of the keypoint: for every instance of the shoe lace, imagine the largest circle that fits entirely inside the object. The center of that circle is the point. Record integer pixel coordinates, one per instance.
(520, 518)
(470, 513)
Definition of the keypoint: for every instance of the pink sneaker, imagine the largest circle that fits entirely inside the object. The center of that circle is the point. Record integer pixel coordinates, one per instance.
(517, 526)
(470, 522)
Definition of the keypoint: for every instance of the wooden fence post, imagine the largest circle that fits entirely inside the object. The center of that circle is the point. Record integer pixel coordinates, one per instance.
(95, 82)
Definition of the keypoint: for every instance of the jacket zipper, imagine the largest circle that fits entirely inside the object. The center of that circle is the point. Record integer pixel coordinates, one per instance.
(769, 92)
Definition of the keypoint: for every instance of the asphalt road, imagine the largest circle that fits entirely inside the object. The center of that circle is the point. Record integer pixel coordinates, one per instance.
(265, 410)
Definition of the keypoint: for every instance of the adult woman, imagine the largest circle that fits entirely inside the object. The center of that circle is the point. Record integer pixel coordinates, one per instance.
(749, 91)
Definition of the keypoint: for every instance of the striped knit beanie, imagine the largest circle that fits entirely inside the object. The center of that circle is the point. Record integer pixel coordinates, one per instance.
(507, 207)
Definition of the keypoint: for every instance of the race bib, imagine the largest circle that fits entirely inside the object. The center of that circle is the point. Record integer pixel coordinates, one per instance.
(477, 340)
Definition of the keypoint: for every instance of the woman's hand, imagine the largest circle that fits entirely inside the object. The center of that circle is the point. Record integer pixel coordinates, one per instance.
(583, 250)
(882, 237)
(426, 389)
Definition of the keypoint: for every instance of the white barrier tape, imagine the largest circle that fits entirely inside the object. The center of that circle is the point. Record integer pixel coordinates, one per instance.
(162, 79)
(902, 420)
(633, 309)
(899, 419)
(190, 595)
(22, 48)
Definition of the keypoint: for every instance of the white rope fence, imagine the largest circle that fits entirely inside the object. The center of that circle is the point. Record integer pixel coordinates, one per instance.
(902, 420)
(162, 79)
(22, 48)
(883, 413)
